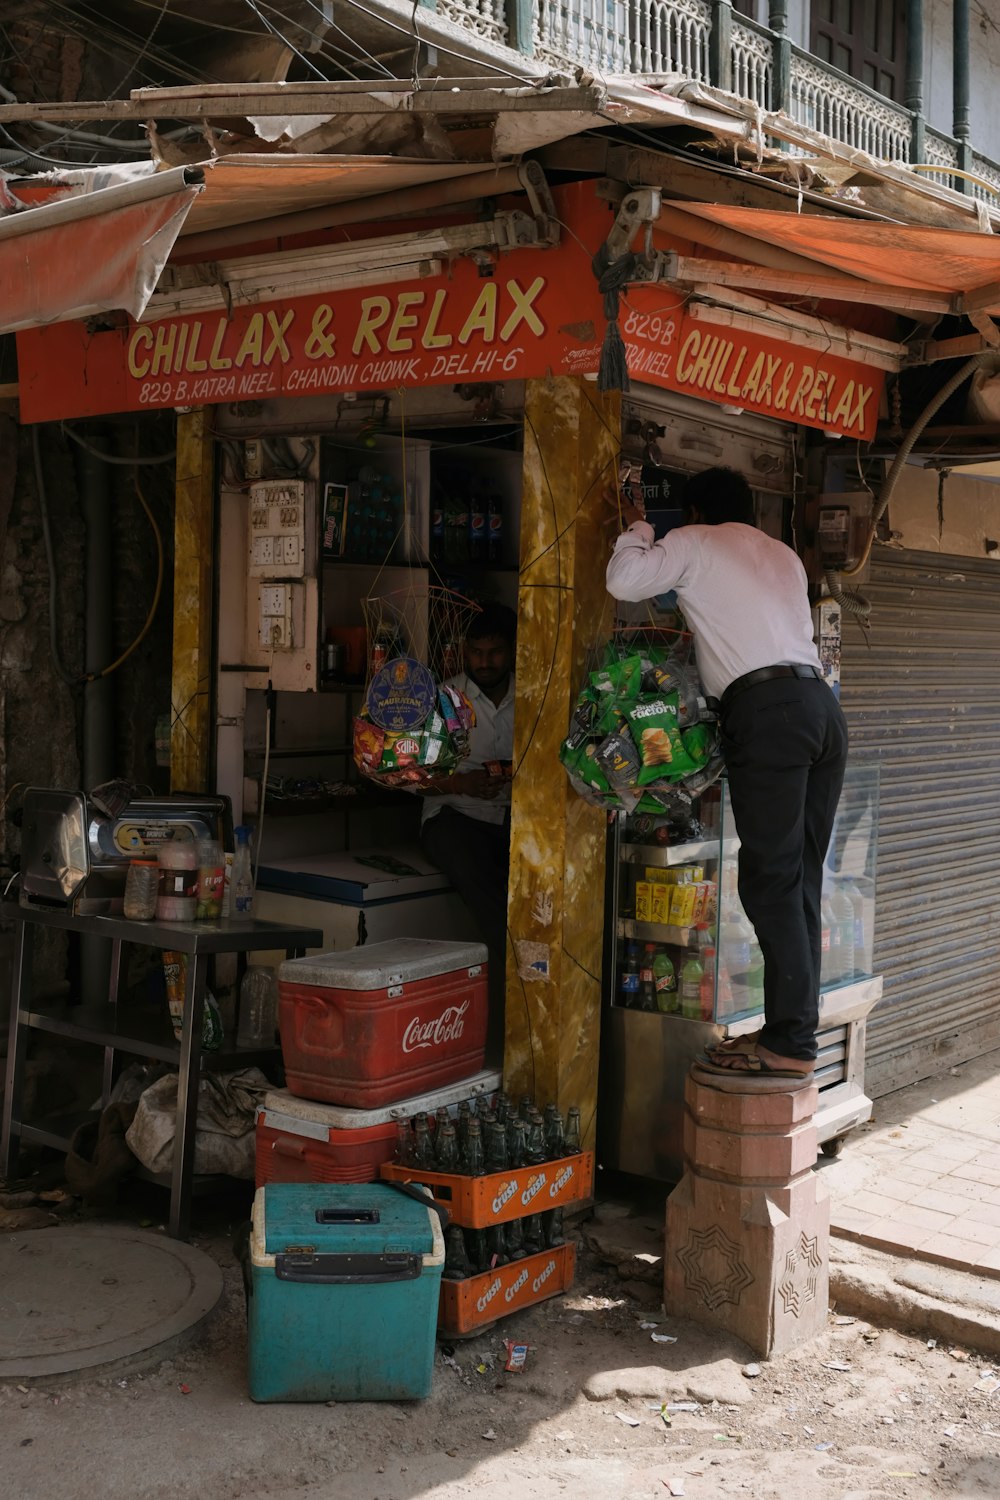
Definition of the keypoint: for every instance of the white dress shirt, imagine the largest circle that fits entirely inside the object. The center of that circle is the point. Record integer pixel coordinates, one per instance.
(743, 593)
(491, 739)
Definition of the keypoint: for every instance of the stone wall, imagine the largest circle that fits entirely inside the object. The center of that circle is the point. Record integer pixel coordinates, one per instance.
(41, 715)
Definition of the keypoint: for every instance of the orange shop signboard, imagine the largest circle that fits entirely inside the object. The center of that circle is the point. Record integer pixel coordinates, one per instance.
(539, 313)
(533, 315)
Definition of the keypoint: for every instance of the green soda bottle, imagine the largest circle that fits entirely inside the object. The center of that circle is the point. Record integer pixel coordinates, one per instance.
(692, 974)
(665, 982)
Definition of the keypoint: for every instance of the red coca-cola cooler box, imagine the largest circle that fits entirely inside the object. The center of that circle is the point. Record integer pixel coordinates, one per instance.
(302, 1140)
(374, 1024)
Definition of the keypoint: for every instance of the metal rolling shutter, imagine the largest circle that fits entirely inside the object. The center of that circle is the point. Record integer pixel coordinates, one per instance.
(926, 695)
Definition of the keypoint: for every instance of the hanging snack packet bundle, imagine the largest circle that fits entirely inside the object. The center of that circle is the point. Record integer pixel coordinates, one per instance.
(642, 735)
(409, 757)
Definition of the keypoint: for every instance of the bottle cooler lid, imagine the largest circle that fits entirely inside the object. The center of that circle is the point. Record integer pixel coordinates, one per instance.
(297, 1113)
(348, 1218)
(377, 966)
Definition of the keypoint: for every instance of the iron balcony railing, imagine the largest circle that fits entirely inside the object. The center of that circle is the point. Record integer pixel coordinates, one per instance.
(703, 40)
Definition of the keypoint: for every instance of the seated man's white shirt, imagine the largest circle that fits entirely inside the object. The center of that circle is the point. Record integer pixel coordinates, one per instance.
(491, 739)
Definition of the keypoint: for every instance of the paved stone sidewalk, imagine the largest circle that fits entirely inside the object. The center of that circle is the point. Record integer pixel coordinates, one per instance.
(923, 1178)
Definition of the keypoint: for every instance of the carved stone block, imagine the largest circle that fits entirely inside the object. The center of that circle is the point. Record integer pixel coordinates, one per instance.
(748, 1226)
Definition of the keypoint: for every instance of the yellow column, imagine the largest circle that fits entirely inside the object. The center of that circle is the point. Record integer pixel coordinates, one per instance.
(556, 900)
(194, 532)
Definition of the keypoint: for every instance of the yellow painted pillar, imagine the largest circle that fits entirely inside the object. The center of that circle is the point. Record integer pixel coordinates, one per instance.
(191, 674)
(556, 900)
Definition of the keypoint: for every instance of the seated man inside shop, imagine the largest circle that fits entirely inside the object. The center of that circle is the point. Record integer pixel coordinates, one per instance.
(784, 738)
(465, 827)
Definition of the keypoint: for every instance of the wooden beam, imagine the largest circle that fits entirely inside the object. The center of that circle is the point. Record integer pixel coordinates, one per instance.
(823, 284)
(980, 299)
(244, 100)
(962, 347)
(191, 673)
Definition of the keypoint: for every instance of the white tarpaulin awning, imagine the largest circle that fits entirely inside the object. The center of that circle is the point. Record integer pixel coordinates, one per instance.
(97, 252)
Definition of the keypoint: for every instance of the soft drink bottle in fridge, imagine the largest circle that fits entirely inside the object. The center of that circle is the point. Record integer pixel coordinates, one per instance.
(664, 982)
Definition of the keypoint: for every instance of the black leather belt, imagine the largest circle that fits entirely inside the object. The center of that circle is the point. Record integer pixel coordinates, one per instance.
(764, 674)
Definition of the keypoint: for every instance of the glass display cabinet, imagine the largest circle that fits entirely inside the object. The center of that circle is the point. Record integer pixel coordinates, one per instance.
(683, 969)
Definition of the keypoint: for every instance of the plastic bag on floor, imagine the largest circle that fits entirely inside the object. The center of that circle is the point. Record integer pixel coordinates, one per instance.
(224, 1142)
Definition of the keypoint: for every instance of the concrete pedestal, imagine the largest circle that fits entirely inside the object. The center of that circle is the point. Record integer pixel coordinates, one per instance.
(748, 1225)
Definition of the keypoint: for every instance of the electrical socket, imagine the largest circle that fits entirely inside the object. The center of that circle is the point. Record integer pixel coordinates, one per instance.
(253, 458)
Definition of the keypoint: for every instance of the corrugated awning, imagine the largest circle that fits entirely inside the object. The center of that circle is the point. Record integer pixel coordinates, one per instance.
(98, 252)
(964, 264)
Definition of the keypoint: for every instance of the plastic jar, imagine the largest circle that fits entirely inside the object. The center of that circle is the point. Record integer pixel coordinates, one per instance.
(211, 879)
(142, 883)
(178, 892)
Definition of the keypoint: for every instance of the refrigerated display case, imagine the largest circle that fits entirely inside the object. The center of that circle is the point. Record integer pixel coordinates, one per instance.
(683, 970)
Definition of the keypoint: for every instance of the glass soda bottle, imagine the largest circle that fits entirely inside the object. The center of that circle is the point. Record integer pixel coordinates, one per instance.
(473, 1164)
(447, 1148)
(423, 1146)
(573, 1131)
(516, 1142)
(664, 982)
(457, 1265)
(515, 1240)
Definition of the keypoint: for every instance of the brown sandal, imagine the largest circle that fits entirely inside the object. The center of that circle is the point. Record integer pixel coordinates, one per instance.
(744, 1058)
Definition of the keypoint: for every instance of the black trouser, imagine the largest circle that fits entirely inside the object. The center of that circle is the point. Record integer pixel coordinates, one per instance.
(476, 858)
(785, 746)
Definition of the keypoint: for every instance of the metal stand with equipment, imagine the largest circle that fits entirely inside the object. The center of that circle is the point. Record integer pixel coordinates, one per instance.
(76, 852)
(139, 1036)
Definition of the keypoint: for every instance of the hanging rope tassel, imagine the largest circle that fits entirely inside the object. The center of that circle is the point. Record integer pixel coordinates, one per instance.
(612, 276)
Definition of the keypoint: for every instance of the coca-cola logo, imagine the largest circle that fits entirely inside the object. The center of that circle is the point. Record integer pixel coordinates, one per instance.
(447, 1027)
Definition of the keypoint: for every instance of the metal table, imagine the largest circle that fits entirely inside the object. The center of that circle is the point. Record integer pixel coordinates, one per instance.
(103, 1026)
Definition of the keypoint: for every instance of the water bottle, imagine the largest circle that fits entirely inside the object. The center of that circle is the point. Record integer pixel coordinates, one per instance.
(242, 876)
(706, 990)
(843, 911)
(258, 1021)
(736, 937)
(827, 952)
(862, 935)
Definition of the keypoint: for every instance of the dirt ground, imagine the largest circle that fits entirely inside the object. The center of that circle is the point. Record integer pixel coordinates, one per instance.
(859, 1414)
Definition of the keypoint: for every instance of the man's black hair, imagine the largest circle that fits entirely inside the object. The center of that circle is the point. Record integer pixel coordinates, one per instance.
(719, 495)
(493, 619)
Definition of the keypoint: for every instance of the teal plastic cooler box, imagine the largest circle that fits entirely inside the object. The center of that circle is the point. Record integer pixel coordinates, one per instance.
(345, 1281)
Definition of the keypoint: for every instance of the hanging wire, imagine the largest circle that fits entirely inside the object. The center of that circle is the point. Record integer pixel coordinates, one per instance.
(284, 40)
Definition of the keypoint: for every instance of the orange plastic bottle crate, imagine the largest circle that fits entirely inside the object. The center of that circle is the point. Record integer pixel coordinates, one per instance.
(496, 1198)
(468, 1305)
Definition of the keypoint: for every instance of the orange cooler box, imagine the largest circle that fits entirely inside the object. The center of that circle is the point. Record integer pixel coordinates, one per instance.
(298, 1140)
(372, 1025)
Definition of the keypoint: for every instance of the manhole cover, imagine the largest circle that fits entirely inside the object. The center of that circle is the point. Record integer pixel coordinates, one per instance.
(72, 1298)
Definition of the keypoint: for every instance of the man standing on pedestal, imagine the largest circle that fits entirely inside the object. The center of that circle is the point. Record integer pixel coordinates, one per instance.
(465, 828)
(784, 738)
